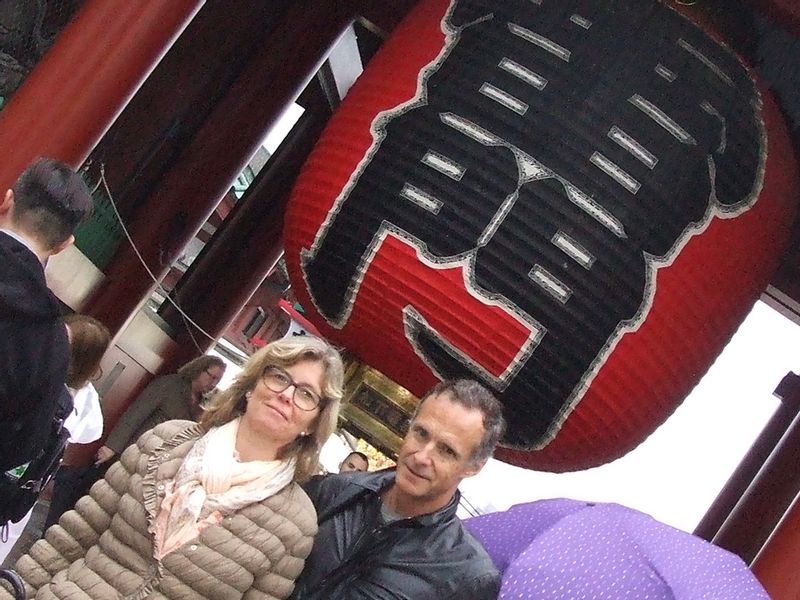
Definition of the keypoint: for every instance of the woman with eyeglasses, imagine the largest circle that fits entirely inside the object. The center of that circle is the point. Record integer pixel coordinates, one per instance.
(174, 396)
(210, 510)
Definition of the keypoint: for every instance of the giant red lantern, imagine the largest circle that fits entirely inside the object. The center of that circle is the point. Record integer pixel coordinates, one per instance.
(576, 203)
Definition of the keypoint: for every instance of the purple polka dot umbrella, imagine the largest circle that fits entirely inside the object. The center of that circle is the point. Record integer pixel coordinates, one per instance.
(565, 549)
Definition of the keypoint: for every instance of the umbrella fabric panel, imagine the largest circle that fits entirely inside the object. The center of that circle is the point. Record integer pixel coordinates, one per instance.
(591, 558)
(564, 549)
(694, 567)
(506, 534)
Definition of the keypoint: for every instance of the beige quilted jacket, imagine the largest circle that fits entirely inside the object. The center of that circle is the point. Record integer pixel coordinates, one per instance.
(102, 550)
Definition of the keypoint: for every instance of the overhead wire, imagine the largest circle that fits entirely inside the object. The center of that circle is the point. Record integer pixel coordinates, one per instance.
(186, 318)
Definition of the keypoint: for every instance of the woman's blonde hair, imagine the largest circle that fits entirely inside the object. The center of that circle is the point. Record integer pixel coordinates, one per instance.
(231, 403)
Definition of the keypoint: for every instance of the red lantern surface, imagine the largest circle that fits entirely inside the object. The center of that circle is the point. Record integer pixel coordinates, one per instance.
(575, 203)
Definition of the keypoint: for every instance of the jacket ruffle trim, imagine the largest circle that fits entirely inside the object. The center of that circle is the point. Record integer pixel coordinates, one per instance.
(151, 500)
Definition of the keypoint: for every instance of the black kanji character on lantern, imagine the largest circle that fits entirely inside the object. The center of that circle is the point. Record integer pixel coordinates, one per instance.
(565, 147)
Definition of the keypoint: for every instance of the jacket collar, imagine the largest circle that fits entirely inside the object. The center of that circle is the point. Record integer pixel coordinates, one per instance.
(378, 481)
(23, 287)
(19, 238)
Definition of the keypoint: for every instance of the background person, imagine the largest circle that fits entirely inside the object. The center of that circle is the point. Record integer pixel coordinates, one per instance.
(210, 510)
(355, 461)
(88, 341)
(37, 219)
(394, 534)
(170, 397)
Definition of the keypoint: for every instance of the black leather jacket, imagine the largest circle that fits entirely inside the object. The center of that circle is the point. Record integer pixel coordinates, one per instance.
(356, 557)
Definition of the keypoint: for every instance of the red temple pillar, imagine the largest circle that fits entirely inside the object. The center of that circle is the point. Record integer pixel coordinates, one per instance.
(767, 498)
(788, 391)
(178, 96)
(776, 565)
(83, 82)
(189, 192)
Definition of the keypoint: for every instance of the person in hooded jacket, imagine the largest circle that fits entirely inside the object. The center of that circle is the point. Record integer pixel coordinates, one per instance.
(37, 219)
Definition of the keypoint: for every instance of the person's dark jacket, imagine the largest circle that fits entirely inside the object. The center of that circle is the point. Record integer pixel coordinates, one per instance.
(34, 355)
(355, 557)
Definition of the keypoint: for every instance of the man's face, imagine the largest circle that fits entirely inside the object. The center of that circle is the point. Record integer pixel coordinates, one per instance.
(353, 462)
(436, 452)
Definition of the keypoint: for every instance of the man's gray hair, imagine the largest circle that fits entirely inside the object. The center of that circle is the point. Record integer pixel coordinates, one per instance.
(472, 395)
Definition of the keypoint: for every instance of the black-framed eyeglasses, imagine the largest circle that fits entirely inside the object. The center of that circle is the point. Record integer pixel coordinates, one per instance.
(278, 380)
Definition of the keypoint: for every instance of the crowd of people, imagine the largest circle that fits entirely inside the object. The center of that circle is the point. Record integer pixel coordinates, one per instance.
(223, 499)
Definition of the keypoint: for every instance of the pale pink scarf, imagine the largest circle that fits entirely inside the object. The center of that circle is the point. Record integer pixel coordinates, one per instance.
(211, 482)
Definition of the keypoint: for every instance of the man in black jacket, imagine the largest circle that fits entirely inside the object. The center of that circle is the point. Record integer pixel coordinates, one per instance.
(394, 534)
(37, 219)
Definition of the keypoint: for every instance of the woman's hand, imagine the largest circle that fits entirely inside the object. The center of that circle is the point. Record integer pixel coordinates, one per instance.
(104, 454)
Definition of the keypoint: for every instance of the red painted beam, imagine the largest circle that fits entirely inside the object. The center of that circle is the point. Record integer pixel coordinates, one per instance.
(763, 504)
(84, 81)
(179, 95)
(776, 565)
(245, 249)
(789, 392)
(191, 190)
